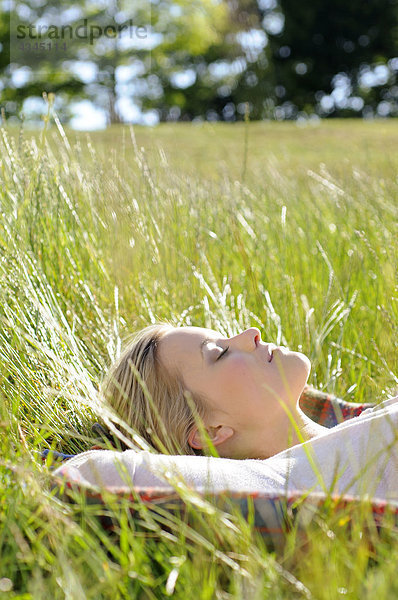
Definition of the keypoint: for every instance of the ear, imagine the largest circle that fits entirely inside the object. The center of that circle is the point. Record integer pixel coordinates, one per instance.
(218, 435)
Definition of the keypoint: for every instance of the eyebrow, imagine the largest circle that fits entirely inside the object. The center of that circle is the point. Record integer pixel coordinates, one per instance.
(202, 345)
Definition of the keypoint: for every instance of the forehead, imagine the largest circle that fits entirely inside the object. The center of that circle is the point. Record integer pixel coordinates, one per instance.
(183, 344)
(183, 337)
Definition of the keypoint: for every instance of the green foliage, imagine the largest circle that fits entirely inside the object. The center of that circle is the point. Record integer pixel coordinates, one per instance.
(290, 75)
(331, 39)
(60, 71)
(283, 71)
(101, 235)
(47, 76)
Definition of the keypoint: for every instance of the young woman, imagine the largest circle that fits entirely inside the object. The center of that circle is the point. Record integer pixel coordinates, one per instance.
(247, 394)
(246, 391)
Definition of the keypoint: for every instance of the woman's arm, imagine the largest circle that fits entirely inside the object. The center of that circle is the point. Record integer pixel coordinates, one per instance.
(107, 468)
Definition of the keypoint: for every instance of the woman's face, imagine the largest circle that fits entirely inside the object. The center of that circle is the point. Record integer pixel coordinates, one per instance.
(248, 385)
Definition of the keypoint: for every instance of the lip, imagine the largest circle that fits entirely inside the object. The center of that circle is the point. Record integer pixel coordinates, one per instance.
(270, 349)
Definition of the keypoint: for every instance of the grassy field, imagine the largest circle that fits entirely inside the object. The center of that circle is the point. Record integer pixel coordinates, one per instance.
(292, 229)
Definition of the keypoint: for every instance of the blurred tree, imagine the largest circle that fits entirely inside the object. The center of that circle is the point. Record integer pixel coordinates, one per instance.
(196, 65)
(333, 58)
(74, 60)
(328, 45)
(17, 80)
(205, 59)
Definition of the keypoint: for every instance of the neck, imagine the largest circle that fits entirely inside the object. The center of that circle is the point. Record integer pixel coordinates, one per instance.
(306, 426)
(304, 430)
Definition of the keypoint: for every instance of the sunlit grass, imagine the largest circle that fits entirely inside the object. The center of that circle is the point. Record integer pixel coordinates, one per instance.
(103, 234)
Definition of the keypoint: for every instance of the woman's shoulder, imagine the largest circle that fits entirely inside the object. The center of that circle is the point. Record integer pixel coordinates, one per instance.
(382, 418)
(386, 405)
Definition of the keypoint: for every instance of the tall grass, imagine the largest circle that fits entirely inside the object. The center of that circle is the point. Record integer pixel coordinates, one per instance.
(103, 234)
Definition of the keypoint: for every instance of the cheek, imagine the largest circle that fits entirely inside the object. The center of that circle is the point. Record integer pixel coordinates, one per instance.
(239, 377)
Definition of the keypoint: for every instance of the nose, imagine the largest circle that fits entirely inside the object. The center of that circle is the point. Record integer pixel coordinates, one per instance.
(248, 339)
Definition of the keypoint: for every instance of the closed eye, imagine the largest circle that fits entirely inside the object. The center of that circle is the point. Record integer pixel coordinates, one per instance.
(223, 352)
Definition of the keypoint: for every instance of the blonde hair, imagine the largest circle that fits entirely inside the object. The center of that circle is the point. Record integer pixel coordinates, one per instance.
(148, 398)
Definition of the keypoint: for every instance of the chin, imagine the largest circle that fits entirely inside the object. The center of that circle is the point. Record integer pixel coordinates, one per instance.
(293, 354)
(299, 367)
(305, 360)
(304, 367)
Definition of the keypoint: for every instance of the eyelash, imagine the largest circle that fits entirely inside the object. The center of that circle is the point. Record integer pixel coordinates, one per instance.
(223, 352)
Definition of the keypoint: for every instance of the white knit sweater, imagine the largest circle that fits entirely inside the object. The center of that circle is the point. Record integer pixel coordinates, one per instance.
(358, 456)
